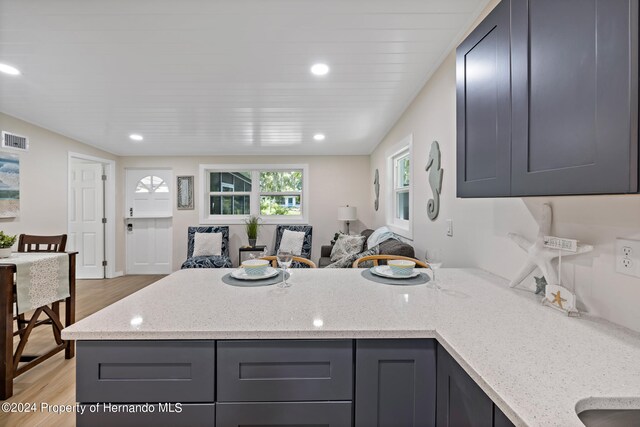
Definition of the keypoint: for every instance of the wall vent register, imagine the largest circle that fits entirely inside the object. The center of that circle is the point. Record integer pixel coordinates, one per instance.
(17, 142)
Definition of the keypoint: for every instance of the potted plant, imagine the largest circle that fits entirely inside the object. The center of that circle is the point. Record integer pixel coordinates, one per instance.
(252, 226)
(6, 242)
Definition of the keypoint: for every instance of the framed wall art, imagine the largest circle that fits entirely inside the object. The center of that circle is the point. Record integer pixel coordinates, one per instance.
(185, 192)
(9, 185)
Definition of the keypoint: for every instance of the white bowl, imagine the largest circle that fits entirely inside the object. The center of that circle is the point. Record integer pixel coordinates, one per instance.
(255, 267)
(401, 267)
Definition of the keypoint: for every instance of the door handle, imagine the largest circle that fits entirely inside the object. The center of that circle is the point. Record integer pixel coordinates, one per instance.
(129, 227)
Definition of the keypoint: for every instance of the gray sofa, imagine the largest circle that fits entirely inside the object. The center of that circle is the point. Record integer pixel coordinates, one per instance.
(388, 247)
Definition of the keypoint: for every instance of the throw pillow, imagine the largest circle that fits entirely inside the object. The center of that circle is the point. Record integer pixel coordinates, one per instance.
(380, 235)
(207, 244)
(292, 241)
(346, 245)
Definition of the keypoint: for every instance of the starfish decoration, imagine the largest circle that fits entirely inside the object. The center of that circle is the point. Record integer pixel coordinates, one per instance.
(541, 284)
(558, 299)
(540, 256)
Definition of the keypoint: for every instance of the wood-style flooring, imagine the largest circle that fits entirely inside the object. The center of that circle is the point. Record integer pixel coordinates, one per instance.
(54, 381)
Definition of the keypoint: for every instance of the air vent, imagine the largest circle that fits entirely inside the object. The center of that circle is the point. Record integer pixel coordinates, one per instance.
(10, 140)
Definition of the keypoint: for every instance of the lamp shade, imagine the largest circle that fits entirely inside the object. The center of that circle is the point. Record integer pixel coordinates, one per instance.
(347, 213)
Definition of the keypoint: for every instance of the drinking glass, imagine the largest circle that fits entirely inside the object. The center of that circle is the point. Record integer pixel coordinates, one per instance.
(433, 257)
(284, 261)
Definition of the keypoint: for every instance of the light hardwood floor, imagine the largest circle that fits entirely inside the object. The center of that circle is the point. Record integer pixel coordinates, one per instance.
(54, 381)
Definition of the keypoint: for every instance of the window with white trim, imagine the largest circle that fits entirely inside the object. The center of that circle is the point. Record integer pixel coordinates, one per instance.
(276, 193)
(401, 185)
(399, 193)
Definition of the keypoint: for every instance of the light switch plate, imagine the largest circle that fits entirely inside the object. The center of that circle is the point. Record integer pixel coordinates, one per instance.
(628, 257)
(450, 227)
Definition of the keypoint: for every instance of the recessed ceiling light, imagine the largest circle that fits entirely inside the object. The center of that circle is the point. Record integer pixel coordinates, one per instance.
(319, 137)
(8, 69)
(320, 69)
(136, 137)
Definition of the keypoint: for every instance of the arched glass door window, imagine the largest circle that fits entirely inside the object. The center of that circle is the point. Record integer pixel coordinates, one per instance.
(152, 184)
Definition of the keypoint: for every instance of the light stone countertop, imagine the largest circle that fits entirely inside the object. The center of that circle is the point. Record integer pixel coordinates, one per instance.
(535, 363)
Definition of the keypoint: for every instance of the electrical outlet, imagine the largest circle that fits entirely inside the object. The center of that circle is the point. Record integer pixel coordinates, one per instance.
(628, 257)
(450, 227)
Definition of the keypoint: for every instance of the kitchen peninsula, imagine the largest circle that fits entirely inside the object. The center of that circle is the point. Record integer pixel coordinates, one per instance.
(222, 351)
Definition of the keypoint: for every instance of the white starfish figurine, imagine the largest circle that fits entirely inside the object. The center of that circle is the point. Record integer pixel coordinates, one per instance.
(540, 256)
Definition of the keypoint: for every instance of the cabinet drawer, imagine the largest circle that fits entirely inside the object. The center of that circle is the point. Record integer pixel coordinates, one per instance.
(189, 415)
(326, 414)
(145, 371)
(285, 370)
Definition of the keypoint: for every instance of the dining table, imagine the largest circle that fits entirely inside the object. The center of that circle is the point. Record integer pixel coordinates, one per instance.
(32, 284)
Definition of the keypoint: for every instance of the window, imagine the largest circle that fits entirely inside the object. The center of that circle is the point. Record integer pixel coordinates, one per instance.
(401, 185)
(273, 192)
(229, 193)
(399, 195)
(152, 184)
(281, 193)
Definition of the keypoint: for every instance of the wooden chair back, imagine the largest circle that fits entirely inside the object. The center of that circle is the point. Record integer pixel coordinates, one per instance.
(274, 261)
(29, 243)
(377, 258)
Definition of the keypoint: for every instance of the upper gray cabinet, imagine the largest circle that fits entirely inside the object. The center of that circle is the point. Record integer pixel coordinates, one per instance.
(573, 101)
(484, 108)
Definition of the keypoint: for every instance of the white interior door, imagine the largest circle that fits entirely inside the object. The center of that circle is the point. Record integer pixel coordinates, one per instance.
(86, 211)
(148, 214)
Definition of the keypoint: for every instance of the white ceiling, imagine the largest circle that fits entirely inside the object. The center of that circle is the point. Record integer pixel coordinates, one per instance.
(223, 77)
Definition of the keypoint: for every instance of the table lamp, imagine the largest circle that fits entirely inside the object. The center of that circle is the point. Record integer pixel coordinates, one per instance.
(348, 214)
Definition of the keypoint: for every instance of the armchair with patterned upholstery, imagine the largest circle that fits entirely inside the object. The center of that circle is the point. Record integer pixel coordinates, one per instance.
(214, 261)
(306, 246)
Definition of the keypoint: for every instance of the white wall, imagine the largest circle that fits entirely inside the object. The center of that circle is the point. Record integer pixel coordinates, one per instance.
(334, 181)
(43, 179)
(481, 225)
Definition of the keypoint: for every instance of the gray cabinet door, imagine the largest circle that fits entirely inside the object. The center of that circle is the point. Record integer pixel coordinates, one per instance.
(500, 419)
(395, 383)
(299, 414)
(151, 415)
(460, 401)
(285, 370)
(484, 108)
(145, 371)
(575, 95)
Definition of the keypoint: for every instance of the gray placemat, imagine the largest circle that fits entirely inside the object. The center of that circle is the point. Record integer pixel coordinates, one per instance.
(418, 280)
(252, 283)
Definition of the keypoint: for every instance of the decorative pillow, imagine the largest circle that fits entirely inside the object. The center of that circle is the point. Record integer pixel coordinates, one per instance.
(207, 244)
(346, 245)
(292, 241)
(380, 235)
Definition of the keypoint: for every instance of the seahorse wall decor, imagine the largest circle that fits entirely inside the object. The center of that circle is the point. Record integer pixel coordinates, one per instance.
(376, 188)
(434, 167)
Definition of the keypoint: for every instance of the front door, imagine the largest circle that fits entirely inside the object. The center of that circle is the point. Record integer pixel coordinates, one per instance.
(86, 213)
(148, 213)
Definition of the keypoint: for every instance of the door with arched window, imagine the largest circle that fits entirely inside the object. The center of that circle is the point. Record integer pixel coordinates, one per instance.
(148, 214)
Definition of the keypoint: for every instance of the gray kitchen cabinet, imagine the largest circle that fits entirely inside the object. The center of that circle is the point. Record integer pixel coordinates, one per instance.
(484, 108)
(460, 401)
(395, 383)
(574, 96)
(284, 370)
(500, 419)
(571, 120)
(145, 371)
(264, 414)
(151, 415)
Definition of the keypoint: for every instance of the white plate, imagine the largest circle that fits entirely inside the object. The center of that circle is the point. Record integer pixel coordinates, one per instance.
(240, 274)
(385, 271)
